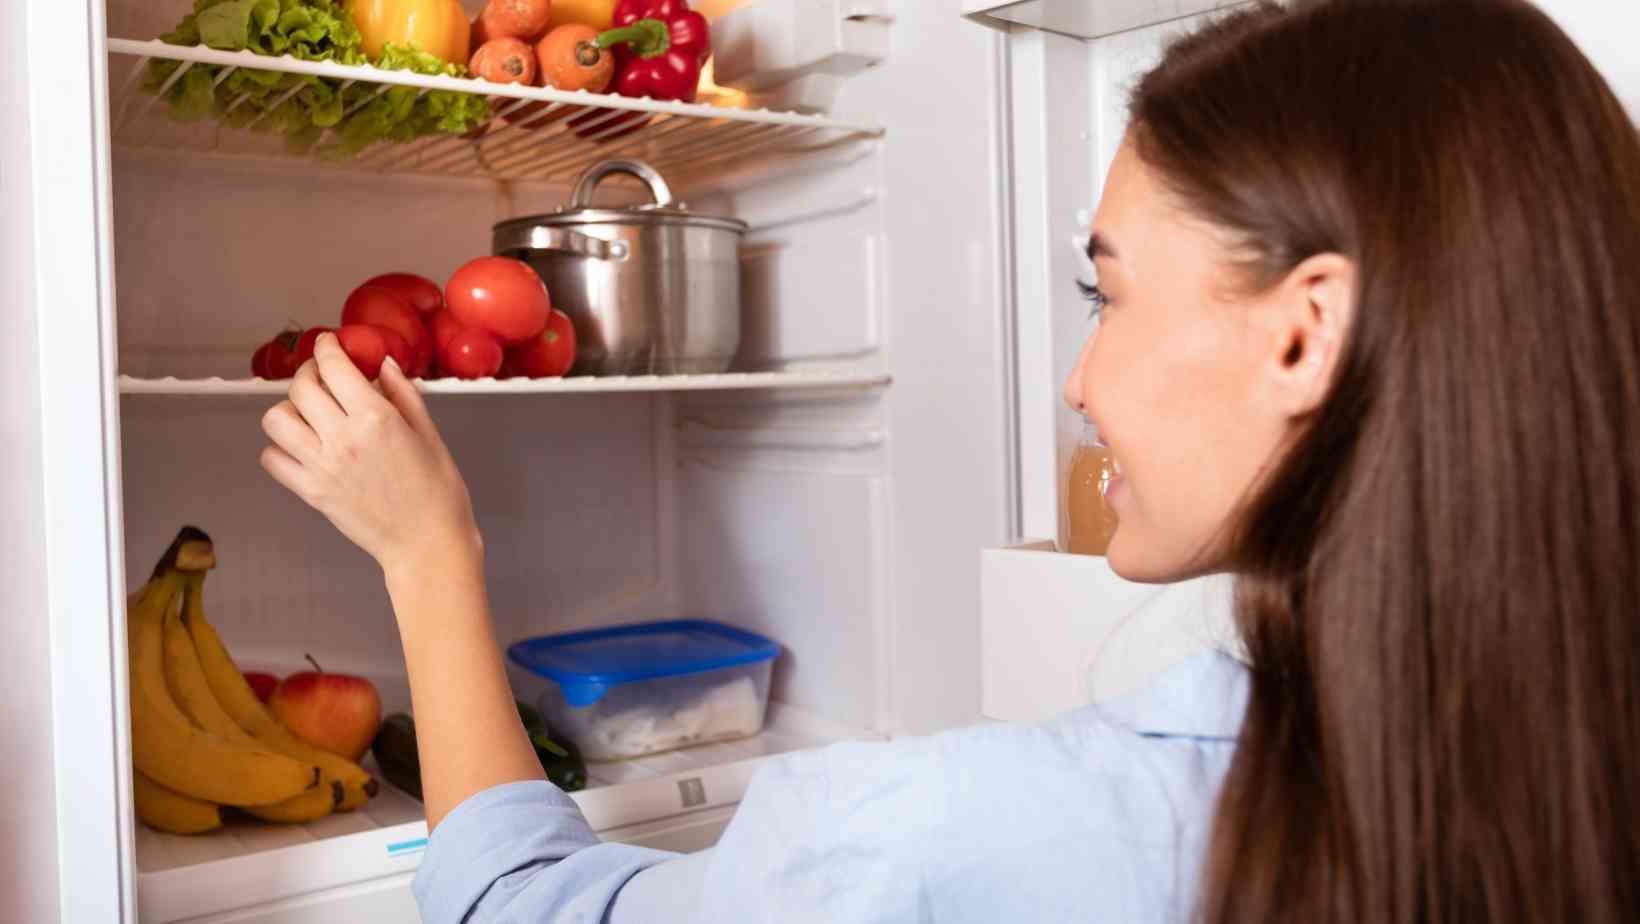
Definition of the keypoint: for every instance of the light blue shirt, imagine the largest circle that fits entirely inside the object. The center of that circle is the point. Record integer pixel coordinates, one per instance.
(1099, 815)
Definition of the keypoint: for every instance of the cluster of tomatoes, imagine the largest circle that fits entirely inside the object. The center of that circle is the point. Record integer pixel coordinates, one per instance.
(493, 318)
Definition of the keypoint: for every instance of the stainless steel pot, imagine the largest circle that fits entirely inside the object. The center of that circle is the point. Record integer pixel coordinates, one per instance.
(652, 288)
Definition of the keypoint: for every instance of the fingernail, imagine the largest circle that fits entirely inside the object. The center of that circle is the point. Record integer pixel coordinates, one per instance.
(394, 363)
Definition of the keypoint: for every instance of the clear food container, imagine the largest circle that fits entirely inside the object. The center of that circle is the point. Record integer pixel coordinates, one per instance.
(628, 691)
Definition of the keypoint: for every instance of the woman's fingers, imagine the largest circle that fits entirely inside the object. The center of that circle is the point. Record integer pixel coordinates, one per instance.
(314, 402)
(284, 425)
(290, 473)
(345, 381)
(404, 396)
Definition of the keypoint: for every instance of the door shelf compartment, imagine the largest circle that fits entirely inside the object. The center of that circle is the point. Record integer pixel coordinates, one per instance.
(248, 864)
(1084, 19)
(729, 381)
(682, 140)
(1061, 631)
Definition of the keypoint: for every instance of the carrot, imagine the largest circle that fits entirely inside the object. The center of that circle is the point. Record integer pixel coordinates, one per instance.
(520, 19)
(570, 59)
(504, 60)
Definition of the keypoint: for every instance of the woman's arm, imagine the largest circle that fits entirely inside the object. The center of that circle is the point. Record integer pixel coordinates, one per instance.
(374, 464)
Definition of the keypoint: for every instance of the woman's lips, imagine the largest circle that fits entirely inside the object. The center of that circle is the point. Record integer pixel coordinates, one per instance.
(1113, 487)
(1113, 483)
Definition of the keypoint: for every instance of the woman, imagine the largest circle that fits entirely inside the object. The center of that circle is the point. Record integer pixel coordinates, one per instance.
(1379, 262)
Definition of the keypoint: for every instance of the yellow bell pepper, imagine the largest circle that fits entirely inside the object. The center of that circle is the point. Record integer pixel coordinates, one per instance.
(599, 14)
(438, 27)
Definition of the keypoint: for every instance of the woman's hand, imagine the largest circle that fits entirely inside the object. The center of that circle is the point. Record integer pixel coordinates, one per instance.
(372, 462)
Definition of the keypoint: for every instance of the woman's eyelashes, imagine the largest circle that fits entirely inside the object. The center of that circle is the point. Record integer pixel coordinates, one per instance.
(1094, 295)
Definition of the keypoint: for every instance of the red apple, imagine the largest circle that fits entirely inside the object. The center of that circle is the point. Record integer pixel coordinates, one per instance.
(550, 354)
(383, 307)
(338, 713)
(262, 684)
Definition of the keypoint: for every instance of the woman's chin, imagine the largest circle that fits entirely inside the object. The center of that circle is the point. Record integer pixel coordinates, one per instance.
(1135, 560)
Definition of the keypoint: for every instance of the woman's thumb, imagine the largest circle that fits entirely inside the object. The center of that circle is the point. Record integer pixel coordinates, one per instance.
(403, 394)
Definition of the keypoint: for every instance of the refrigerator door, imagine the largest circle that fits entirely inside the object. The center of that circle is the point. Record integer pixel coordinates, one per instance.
(66, 801)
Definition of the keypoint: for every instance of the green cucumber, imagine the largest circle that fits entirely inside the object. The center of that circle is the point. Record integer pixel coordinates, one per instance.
(396, 755)
(395, 750)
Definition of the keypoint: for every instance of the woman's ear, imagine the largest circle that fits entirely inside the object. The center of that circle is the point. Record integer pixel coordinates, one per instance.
(1309, 313)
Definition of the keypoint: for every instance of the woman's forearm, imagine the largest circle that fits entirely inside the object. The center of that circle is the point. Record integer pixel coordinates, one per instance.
(467, 732)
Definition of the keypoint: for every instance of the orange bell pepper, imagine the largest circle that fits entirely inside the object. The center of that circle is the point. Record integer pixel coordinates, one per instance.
(438, 27)
(599, 14)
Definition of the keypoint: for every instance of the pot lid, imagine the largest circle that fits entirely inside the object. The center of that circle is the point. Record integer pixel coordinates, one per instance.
(664, 210)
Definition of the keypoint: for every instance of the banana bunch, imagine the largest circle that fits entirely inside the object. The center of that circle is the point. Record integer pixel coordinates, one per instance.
(200, 738)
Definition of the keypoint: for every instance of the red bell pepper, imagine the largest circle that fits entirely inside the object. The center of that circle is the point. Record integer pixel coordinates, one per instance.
(660, 47)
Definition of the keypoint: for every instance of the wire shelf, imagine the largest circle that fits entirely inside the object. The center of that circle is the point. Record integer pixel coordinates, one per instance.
(729, 381)
(533, 133)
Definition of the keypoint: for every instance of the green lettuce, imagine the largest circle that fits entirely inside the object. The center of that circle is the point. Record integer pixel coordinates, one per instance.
(405, 113)
(302, 107)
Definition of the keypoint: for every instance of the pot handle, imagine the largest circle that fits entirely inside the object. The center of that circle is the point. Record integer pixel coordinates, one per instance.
(561, 239)
(588, 183)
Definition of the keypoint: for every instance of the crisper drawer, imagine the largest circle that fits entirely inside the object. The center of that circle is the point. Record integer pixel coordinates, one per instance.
(390, 900)
(1061, 631)
(356, 868)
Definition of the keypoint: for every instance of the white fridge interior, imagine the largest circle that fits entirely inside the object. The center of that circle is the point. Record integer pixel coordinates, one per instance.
(829, 492)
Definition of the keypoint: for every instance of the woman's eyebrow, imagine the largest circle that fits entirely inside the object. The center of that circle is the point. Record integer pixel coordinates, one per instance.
(1099, 246)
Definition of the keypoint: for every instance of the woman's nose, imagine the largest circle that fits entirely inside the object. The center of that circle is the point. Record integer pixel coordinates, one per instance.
(1073, 384)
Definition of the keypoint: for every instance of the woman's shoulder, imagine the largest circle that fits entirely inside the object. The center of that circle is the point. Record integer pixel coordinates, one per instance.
(1192, 710)
(1107, 799)
(1101, 763)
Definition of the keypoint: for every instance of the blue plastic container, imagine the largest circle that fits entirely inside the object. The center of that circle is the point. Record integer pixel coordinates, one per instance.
(628, 691)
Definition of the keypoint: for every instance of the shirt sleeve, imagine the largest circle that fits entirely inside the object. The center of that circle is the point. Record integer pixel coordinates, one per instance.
(522, 852)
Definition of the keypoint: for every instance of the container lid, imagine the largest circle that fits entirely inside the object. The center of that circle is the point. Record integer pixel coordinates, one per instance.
(586, 664)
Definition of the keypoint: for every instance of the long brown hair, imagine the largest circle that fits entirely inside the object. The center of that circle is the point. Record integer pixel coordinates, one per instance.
(1440, 578)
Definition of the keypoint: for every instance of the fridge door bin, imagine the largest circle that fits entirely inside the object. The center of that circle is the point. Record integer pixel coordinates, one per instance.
(1084, 19)
(1062, 631)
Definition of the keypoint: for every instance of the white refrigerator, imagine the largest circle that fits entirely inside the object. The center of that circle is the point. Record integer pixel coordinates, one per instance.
(875, 484)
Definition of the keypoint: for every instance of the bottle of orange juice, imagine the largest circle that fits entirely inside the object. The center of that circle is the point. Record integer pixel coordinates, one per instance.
(1090, 520)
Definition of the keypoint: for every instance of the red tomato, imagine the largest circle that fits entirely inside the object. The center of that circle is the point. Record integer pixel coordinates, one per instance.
(369, 346)
(550, 354)
(470, 354)
(422, 293)
(259, 361)
(276, 359)
(304, 344)
(500, 295)
(443, 325)
(282, 355)
(386, 308)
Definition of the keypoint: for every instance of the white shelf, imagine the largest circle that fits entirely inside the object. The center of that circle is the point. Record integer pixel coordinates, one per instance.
(728, 381)
(248, 864)
(680, 139)
(1086, 19)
